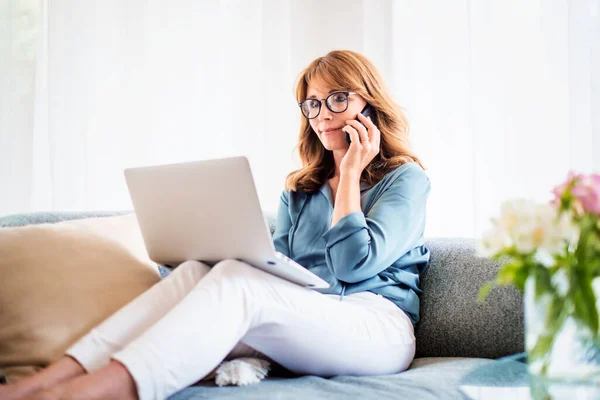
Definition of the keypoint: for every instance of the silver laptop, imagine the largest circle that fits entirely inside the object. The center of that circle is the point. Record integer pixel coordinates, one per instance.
(208, 211)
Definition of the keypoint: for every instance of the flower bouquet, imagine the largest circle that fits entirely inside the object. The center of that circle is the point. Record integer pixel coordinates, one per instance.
(551, 252)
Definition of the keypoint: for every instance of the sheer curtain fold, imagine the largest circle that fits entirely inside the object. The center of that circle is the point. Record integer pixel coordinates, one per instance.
(502, 97)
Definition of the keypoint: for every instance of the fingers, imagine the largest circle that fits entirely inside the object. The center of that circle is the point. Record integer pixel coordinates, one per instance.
(374, 133)
(366, 121)
(353, 135)
(360, 128)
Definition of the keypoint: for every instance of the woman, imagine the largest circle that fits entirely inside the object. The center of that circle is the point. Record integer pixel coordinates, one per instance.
(353, 214)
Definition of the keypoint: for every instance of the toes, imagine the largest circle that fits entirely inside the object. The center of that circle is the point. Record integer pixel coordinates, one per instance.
(45, 395)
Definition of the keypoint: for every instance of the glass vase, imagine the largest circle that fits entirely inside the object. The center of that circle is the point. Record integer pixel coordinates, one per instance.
(571, 363)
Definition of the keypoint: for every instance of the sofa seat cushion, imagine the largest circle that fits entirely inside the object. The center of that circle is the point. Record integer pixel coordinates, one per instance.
(437, 378)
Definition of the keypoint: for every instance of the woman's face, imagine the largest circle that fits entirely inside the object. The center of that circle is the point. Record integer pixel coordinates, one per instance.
(328, 125)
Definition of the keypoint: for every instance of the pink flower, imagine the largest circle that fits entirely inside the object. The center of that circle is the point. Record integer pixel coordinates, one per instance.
(560, 189)
(586, 190)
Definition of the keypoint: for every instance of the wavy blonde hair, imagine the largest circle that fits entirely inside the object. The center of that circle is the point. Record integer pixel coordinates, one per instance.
(348, 70)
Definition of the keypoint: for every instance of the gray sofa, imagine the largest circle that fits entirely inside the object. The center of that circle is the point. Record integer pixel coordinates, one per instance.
(455, 335)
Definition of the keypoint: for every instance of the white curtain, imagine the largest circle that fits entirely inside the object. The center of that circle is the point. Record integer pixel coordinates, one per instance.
(503, 96)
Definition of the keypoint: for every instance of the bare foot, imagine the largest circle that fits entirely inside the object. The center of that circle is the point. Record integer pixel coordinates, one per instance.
(43, 395)
(110, 382)
(62, 370)
(16, 392)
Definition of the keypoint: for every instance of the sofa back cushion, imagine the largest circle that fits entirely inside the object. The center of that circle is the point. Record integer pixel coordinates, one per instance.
(453, 323)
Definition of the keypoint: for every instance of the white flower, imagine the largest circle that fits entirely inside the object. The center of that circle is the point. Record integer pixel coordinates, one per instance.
(530, 228)
(544, 258)
(493, 241)
(513, 213)
(569, 229)
(550, 238)
(519, 220)
(527, 235)
(560, 231)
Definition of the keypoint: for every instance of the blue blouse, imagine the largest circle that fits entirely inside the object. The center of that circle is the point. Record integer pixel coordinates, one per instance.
(380, 249)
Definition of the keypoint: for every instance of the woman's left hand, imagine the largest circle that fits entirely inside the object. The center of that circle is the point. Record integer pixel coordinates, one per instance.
(360, 153)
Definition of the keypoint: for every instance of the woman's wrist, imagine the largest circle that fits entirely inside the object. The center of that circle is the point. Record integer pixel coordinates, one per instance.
(347, 199)
(350, 174)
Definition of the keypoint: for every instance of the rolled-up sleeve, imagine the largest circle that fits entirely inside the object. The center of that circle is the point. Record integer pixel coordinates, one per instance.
(283, 225)
(361, 246)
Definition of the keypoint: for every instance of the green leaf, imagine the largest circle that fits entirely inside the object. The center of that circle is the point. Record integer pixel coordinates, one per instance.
(585, 302)
(508, 272)
(543, 281)
(485, 290)
(556, 314)
(542, 347)
(520, 278)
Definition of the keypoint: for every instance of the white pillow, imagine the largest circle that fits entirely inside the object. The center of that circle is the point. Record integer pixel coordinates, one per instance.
(58, 281)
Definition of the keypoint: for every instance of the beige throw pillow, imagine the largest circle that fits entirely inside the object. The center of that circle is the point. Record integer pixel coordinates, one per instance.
(58, 281)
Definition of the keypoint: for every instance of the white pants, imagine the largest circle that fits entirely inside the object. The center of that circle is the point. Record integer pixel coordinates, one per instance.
(180, 329)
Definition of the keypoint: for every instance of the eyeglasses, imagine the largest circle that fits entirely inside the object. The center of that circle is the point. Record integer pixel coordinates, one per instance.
(336, 102)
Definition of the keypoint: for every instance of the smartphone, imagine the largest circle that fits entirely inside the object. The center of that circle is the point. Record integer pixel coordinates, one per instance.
(367, 112)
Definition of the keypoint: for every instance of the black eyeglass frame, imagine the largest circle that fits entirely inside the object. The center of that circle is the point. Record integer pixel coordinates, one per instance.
(326, 103)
